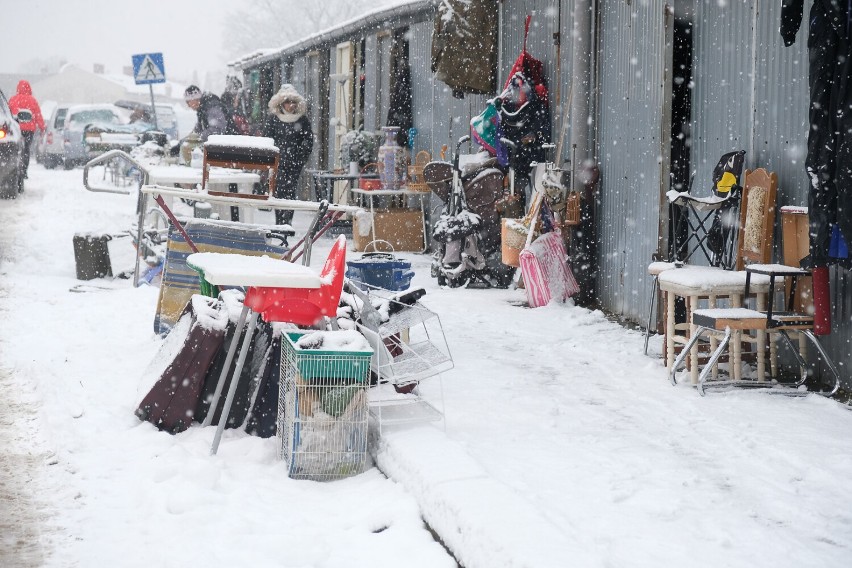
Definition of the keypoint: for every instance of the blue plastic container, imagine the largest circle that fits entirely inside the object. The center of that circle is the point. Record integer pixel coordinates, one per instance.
(380, 270)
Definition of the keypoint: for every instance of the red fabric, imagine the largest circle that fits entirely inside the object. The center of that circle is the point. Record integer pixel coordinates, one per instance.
(24, 100)
(531, 68)
(822, 301)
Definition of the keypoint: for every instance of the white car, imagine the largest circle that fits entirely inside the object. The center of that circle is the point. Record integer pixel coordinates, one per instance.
(64, 141)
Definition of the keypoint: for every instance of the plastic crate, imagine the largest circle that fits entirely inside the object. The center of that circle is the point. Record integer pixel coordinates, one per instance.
(380, 270)
(325, 365)
(323, 411)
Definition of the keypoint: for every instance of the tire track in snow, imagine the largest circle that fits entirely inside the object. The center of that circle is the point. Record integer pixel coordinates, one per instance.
(21, 515)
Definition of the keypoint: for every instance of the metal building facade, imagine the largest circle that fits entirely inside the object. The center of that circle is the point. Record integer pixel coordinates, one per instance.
(632, 146)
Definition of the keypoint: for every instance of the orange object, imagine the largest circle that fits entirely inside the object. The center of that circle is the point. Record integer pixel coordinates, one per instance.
(303, 306)
(369, 182)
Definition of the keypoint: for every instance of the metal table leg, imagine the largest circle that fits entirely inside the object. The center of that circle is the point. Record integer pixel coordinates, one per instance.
(235, 379)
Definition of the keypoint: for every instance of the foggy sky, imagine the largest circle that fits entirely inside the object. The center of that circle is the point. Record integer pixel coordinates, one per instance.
(189, 33)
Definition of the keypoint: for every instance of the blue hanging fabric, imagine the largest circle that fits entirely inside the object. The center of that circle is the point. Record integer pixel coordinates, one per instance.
(837, 247)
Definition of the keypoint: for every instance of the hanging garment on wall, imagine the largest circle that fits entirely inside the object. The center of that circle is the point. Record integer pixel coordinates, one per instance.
(830, 116)
(464, 45)
(400, 112)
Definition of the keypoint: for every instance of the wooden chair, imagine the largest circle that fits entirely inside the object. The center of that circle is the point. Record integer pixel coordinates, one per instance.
(757, 217)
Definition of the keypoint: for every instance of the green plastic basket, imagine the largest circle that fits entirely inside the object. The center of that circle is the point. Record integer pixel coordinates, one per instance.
(326, 365)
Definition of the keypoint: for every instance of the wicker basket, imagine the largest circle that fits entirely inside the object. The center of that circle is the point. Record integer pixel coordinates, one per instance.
(416, 182)
(572, 209)
(513, 238)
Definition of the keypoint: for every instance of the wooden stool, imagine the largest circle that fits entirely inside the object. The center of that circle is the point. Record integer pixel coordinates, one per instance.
(240, 152)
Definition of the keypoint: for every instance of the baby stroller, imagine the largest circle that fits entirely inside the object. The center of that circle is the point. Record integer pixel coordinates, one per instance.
(468, 231)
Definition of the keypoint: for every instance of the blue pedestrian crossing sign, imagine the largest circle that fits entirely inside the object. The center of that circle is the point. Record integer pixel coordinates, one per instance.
(148, 68)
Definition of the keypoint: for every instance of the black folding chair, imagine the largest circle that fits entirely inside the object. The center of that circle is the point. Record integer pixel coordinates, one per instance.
(707, 224)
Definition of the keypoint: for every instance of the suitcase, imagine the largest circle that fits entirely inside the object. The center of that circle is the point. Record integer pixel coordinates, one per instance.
(171, 402)
(263, 419)
(248, 380)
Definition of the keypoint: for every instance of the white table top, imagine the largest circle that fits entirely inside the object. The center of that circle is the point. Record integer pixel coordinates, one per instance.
(691, 280)
(222, 269)
(158, 175)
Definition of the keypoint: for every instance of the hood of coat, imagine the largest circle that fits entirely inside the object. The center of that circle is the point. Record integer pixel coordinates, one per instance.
(285, 93)
(24, 87)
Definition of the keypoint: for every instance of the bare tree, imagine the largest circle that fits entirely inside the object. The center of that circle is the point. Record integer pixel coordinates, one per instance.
(267, 23)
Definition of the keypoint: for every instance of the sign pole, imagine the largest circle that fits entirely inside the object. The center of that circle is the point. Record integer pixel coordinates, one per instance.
(153, 106)
(148, 69)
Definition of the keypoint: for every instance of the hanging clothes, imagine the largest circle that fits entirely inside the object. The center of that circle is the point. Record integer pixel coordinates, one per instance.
(400, 112)
(464, 45)
(829, 159)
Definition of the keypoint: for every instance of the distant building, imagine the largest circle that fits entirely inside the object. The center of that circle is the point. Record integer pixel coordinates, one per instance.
(75, 85)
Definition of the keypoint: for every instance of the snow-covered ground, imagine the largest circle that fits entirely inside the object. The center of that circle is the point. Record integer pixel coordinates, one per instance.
(562, 446)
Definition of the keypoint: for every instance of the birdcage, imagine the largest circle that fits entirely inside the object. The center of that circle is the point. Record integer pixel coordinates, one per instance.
(416, 181)
(322, 410)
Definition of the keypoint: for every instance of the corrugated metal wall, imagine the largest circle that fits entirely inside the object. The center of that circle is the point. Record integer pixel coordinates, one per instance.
(439, 118)
(723, 96)
(632, 136)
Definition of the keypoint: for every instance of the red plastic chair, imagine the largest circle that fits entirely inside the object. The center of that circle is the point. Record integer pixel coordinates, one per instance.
(304, 306)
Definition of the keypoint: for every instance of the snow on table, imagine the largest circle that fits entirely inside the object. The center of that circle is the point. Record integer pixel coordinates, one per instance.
(222, 269)
(238, 141)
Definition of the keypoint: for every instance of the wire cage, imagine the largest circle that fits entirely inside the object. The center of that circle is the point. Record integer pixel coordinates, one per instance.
(323, 410)
(409, 346)
(416, 181)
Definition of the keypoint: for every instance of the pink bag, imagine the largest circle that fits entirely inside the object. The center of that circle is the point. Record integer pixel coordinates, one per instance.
(546, 273)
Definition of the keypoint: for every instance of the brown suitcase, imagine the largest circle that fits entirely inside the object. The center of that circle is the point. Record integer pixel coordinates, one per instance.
(171, 402)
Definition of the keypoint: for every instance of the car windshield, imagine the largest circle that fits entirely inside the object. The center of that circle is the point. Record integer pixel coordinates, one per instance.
(94, 115)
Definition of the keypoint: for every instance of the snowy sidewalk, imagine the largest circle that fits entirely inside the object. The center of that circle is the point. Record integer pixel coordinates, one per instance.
(564, 445)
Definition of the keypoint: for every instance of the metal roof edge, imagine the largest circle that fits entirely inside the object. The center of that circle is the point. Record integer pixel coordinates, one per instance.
(363, 24)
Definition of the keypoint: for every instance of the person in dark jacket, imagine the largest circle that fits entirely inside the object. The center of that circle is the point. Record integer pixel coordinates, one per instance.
(24, 100)
(290, 127)
(213, 117)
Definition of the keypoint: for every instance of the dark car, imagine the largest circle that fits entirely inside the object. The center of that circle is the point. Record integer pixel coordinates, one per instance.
(11, 146)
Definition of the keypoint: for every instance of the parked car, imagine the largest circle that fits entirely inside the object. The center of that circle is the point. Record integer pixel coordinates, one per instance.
(65, 140)
(11, 147)
(51, 142)
(166, 118)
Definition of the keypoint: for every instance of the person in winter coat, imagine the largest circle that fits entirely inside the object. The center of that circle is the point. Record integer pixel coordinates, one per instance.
(24, 100)
(290, 127)
(213, 117)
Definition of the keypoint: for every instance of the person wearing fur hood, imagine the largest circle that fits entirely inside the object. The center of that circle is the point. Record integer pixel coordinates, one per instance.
(290, 127)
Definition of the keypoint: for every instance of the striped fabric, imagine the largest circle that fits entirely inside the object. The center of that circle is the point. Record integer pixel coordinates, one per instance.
(180, 281)
(546, 273)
